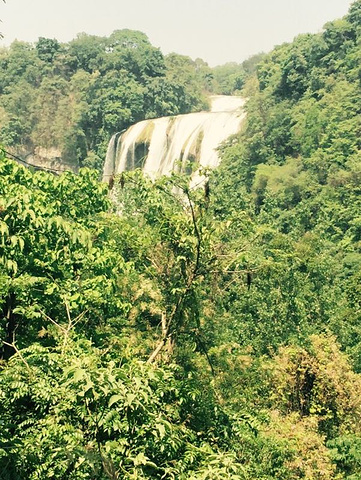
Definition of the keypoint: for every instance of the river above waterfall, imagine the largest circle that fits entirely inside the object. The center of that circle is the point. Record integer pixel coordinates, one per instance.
(183, 142)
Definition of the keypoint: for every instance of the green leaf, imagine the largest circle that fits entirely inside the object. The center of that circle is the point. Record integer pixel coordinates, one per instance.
(79, 374)
(114, 399)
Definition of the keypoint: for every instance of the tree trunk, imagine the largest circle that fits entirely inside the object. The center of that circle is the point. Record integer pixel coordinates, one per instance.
(11, 324)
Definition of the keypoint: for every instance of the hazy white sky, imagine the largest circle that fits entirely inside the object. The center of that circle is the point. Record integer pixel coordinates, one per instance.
(218, 31)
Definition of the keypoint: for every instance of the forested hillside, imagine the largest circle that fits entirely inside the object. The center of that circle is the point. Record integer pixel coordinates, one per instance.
(64, 101)
(72, 97)
(295, 169)
(163, 332)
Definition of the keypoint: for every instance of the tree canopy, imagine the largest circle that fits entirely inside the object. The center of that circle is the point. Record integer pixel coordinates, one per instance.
(73, 96)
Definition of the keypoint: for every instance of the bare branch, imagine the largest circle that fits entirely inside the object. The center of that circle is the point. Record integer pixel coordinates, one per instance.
(12, 345)
(53, 321)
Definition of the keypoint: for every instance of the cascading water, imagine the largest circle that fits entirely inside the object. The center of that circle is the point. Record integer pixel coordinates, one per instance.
(162, 145)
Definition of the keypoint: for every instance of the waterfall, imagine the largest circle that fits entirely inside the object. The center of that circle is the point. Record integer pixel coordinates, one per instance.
(162, 145)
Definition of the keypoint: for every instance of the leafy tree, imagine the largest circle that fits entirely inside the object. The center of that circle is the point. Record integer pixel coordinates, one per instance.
(47, 48)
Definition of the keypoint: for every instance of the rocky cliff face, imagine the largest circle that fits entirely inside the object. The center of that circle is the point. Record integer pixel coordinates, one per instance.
(44, 158)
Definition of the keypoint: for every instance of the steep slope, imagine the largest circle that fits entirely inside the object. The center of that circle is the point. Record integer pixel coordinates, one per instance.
(296, 172)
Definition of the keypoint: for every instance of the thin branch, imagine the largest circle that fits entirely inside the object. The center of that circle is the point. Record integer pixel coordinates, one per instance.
(67, 312)
(167, 331)
(164, 324)
(202, 346)
(12, 345)
(158, 349)
(197, 233)
(53, 321)
(79, 317)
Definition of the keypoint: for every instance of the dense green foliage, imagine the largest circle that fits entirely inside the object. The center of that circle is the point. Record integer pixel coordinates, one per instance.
(161, 332)
(94, 301)
(295, 170)
(72, 97)
(230, 78)
(294, 174)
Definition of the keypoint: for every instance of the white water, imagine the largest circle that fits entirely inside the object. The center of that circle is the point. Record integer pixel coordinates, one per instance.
(166, 142)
